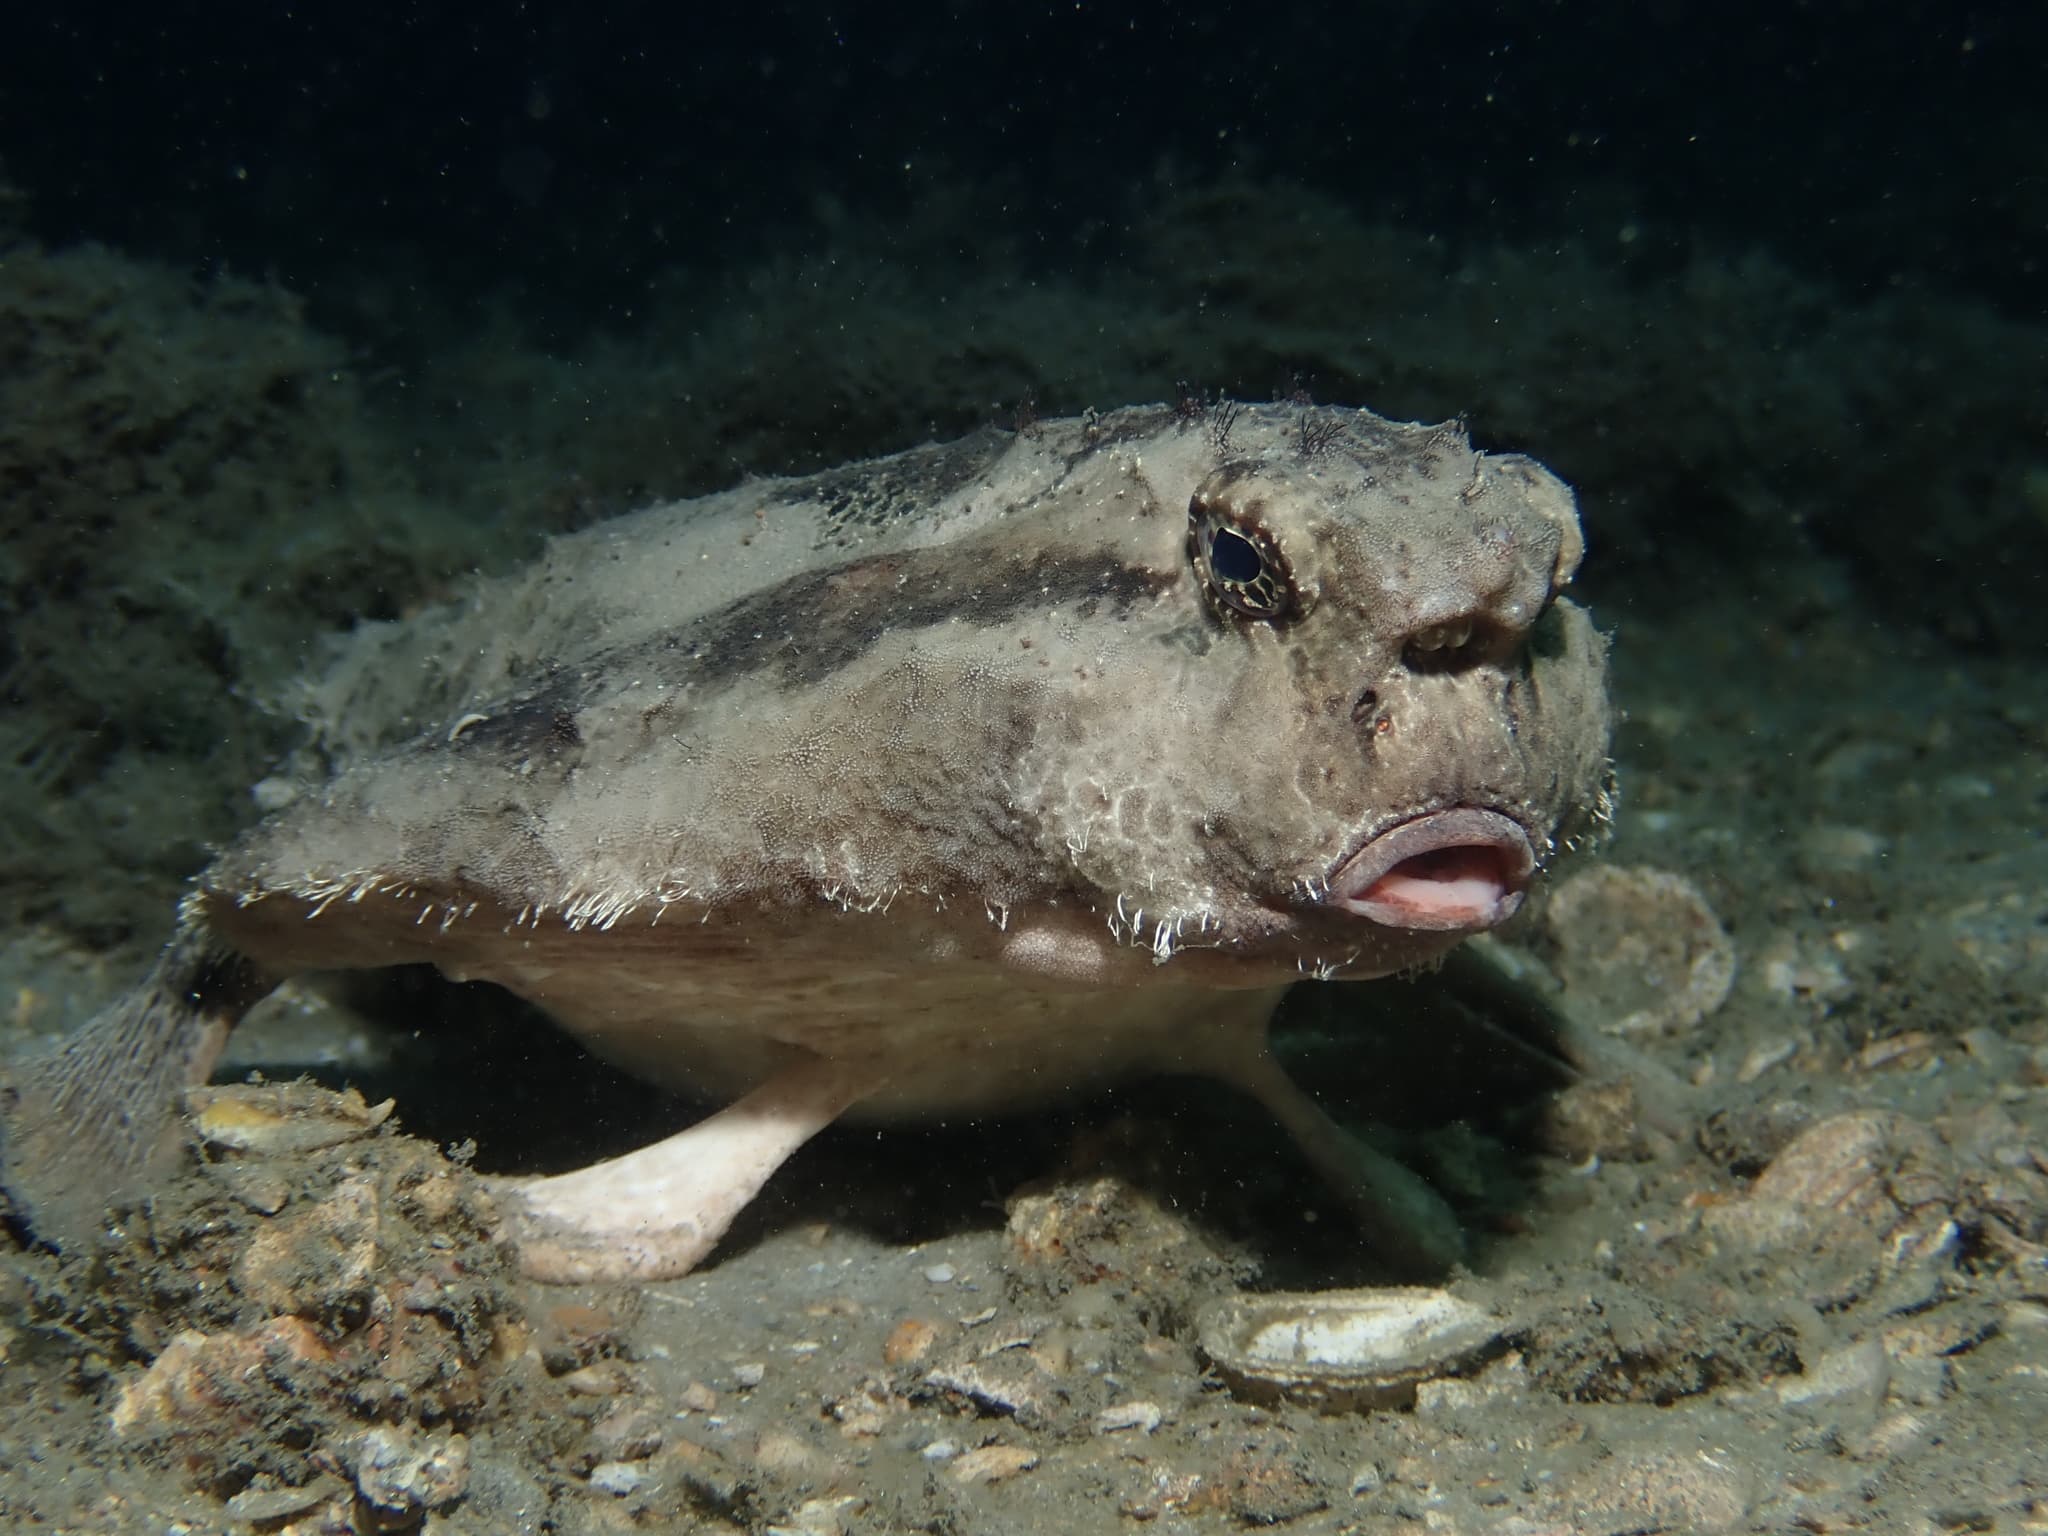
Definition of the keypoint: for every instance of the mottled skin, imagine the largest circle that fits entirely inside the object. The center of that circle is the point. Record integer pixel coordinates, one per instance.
(946, 782)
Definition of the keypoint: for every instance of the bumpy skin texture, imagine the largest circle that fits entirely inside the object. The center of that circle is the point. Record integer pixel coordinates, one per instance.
(988, 770)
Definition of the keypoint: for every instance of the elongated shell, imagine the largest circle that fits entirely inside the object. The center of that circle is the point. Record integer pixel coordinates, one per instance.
(1340, 1350)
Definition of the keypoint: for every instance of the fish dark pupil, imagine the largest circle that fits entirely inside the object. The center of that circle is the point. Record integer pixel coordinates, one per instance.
(1233, 557)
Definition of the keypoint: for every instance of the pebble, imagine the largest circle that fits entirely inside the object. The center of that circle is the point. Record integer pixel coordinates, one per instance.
(1902, 1434)
(627, 1433)
(617, 1478)
(749, 1375)
(1140, 1416)
(575, 1334)
(820, 1517)
(1849, 1382)
(319, 1261)
(257, 1185)
(1837, 850)
(198, 1383)
(257, 1505)
(941, 1274)
(1698, 1489)
(1765, 1056)
(401, 1472)
(607, 1378)
(992, 1464)
(1638, 949)
(783, 1454)
(909, 1341)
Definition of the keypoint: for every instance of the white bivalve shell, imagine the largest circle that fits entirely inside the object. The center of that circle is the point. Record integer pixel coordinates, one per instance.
(1340, 1350)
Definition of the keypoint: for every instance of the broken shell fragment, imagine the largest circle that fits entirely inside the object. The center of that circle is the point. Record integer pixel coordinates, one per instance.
(1857, 1198)
(274, 1119)
(1341, 1350)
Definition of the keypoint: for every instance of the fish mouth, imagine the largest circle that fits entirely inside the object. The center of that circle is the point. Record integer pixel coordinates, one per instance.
(1457, 870)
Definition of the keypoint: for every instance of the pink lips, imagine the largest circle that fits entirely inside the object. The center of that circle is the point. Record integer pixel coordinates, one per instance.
(1456, 869)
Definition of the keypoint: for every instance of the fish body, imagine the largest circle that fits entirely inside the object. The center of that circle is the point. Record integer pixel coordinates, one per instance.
(943, 783)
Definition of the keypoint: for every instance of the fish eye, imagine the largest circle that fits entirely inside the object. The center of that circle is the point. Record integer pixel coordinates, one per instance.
(1233, 557)
(1240, 565)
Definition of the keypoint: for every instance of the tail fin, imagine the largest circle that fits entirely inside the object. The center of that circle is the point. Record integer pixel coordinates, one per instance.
(83, 1126)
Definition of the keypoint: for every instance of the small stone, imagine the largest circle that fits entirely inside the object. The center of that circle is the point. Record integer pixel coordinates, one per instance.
(785, 1455)
(1367, 1477)
(1266, 1481)
(991, 1464)
(940, 1450)
(821, 1517)
(574, 1334)
(320, 1261)
(625, 1434)
(1103, 1226)
(1991, 1050)
(2029, 1319)
(866, 1411)
(909, 1341)
(1639, 950)
(1837, 850)
(941, 1274)
(2036, 1070)
(707, 1474)
(257, 1505)
(617, 1478)
(1909, 1050)
(698, 1398)
(1900, 1435)
(749, 1375)
(1012, 1386)
(1434, 1399)
(607, 1378)
(1699, 1491)
(1141, 1416)
(257, 1185)
(1764, 1056)
(1849, 1383)
(1921, 1381)
(402, 1472)
(1593, 1119)
(198, 1385)
(435, 1198)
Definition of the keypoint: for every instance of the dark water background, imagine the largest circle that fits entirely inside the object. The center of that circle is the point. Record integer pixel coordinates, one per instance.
(567, 152)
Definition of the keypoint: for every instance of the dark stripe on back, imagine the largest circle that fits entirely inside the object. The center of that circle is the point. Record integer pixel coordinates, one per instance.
(809, 627)
(813, 625)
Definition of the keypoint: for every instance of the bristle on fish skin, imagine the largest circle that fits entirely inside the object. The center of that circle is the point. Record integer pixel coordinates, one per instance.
(84, 1125)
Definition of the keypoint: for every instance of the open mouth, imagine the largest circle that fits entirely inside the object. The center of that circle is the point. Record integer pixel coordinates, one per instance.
(1457, 869)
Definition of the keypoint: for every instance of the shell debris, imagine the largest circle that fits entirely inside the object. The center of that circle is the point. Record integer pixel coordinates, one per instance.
(273, 1119)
